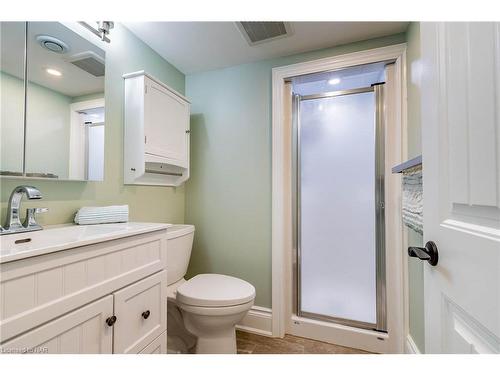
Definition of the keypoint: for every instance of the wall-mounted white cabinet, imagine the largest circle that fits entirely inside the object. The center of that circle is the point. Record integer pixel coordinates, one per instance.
(156, 132)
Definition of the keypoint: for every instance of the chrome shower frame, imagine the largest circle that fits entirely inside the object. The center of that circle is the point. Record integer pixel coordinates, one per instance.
(381, 304)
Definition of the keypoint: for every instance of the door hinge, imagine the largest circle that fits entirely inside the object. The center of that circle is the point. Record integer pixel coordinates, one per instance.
(145, 139)
(145, 89)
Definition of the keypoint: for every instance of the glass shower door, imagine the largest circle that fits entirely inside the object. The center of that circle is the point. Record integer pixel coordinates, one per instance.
(338, 202)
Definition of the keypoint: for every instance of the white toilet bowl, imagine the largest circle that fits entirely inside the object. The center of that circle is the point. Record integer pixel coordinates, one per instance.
(204, 309)
(211, 306)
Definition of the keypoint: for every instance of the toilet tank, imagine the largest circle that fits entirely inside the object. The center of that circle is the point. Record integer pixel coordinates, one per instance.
(179, 245)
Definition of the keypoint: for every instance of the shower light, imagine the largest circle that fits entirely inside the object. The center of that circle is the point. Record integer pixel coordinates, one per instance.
(334, 81)
(53, 72)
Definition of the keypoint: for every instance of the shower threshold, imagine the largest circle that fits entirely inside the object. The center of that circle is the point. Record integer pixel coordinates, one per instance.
(342, 321)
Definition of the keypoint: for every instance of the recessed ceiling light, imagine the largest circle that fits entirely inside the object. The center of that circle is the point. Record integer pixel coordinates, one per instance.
(53, 72)
(334, 81)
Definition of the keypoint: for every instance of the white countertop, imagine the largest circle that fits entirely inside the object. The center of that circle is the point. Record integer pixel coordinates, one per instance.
(61, 237)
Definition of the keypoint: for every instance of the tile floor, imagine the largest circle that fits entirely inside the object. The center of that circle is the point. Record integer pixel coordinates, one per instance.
(249, 343)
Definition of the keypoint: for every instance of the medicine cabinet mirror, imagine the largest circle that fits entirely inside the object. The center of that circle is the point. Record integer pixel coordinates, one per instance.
(52, 103)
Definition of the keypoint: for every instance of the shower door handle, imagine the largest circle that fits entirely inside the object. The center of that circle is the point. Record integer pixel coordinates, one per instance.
(428, 253)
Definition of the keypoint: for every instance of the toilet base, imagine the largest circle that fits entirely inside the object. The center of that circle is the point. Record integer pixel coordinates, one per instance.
(223, 344)
(179, 340)
(215, 327)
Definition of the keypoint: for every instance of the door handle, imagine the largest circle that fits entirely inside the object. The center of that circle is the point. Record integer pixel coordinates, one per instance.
(428, 253)
(146, 314)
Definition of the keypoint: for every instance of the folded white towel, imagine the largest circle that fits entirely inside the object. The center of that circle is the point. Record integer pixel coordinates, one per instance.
(102, 215)
(413, 199)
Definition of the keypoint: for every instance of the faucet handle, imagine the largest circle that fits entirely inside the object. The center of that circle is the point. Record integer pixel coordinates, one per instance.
(30, 221)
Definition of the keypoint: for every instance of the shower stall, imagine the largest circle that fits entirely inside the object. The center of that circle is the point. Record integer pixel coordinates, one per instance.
(338, 203)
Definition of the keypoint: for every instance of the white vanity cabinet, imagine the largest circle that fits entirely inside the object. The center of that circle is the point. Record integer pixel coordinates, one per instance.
(156, 132)
(83, 331)
(105, 297)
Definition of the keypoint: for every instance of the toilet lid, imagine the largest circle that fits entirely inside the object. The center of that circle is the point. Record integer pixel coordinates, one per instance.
(212, 290)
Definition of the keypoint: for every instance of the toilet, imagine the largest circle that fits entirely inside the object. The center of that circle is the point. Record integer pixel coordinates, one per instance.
(204, 310)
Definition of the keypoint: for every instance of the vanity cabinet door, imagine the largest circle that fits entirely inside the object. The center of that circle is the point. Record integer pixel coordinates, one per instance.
(158, 346)
(166, 122)
(83, 331)
(141, 313)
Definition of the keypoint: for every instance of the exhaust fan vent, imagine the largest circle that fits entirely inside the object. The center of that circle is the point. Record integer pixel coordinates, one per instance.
(90, 62)
(259, 32)
(52, 44)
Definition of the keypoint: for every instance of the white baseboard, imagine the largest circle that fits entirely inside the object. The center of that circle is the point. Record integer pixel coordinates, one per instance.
(410, 346)
(258, 321)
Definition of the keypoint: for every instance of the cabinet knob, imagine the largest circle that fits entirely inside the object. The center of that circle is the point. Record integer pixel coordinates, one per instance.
(146, 314)
(111, 320)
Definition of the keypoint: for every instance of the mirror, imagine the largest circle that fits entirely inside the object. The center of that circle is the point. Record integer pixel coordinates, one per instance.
(65, 104)
(12, 98)
(61, 120)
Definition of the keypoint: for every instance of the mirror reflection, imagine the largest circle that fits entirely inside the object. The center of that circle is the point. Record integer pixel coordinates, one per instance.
(65, 104)
(11, 97)
(64, 121)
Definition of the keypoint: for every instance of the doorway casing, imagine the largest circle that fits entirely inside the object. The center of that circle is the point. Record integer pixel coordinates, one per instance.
(283, 320)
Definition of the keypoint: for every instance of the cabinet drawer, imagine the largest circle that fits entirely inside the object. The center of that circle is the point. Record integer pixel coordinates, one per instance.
(158, 346)
(83, 331)
(141, 313)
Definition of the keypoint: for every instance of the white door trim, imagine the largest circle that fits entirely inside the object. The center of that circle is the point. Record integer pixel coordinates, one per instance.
(76, 169)
(281, 184)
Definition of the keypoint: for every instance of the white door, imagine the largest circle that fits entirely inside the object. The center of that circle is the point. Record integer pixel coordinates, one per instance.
(83, 331)
(166, 119)
(461, 166)
(95, 152)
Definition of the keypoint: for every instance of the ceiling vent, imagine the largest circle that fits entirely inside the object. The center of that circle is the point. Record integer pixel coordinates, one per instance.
(260, 32)
(89, 61)
(52, 44)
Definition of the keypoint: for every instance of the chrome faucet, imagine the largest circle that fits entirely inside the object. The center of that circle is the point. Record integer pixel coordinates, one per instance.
(13, 222)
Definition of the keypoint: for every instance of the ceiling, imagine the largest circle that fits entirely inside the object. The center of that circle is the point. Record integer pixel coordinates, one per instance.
(199, 46)
(73, 81)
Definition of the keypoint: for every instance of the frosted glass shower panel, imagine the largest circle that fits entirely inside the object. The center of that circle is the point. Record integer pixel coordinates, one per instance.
(337, 225)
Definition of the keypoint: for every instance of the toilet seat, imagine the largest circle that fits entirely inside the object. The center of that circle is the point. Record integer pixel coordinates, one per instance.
(172, 289)
(213, 290)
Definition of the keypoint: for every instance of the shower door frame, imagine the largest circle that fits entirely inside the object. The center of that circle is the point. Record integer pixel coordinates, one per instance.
(282, 319)
(379, 213)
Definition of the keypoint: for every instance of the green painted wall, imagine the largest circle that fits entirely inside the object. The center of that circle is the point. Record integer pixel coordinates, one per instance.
(11, 137)
(82, 98)
(415, 266)
(228, 196)
(126, 53)
(47, 132)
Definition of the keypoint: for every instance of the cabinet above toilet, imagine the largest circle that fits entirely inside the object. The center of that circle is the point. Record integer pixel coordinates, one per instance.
(156, 132)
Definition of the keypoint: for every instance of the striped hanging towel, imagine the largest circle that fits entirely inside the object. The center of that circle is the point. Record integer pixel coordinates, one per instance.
(413, 199)
(102, 215)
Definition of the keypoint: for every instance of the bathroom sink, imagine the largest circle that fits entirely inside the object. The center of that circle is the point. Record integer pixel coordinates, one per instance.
(57, 238)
